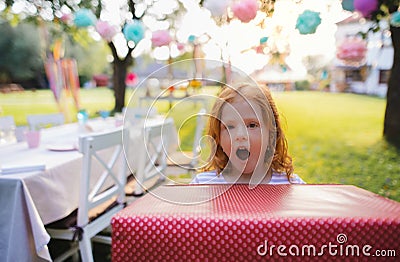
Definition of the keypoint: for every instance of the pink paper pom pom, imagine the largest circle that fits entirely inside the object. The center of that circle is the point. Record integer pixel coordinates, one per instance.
(106, 30)
(161, 38)
(352, 50)
(245, 10)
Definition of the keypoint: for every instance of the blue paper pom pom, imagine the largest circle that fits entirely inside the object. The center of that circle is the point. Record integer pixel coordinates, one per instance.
(134, 31)
(263, 40)
(395, 19)
(84, 18)
(348, 5)
(308, 22)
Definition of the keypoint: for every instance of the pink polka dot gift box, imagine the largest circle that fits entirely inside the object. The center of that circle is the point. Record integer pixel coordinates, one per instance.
(266, 222)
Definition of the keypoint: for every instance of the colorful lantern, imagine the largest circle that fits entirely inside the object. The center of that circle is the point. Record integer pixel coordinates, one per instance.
(308, 22)
(352, 50)
(365, 7)
(245, 10)
(134, 31)
(106, 30)
(84, 18)
(161, 38)
(217, 7)
(348, 5)
(395, 19)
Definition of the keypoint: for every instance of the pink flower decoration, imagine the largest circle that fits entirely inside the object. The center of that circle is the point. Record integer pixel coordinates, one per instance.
(245, 10)
(365, 7)
(67, 18)
(161, 38)
(106, 30)
(352, 50)
(180, 46)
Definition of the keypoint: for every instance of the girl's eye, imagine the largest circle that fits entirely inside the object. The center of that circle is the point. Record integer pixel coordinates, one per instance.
(252, 125)
(229, 126)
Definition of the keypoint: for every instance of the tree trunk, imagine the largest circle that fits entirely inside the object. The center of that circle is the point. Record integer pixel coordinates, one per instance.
(120, 68)
(391, 130)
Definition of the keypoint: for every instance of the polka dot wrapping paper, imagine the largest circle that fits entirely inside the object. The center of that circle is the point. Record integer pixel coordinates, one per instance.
(278, 222)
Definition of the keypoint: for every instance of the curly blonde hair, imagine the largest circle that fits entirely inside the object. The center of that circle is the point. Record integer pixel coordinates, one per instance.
(281, 161)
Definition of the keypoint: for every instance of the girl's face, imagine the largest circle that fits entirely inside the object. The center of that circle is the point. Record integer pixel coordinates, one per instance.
(244, 135)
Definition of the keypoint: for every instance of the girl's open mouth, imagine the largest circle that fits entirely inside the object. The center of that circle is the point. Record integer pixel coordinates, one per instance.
(243, 154)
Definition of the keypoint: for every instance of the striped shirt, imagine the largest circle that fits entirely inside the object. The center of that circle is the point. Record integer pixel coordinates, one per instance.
(211, 177)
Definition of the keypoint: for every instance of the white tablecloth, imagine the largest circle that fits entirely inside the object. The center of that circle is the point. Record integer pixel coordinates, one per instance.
(30, 200)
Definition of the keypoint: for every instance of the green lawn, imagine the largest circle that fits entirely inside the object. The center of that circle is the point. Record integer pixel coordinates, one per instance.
(334, 138)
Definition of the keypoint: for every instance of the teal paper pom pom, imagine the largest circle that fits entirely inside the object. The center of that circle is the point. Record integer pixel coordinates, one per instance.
(348, 5)
(191, 38)
(134, 31)
(395, 19)
(84, 18)
(263, 40)
(308, 22)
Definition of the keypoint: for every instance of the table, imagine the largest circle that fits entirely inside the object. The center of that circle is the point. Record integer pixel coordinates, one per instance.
(30, 200)
(235, 223)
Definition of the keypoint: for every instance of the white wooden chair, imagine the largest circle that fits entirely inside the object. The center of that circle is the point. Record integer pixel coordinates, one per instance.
(186, 160)
(7, 122)
(102, 153)
(153, 155)
(7, 129)
(39, 121)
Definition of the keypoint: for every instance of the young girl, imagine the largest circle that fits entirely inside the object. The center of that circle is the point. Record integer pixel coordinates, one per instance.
(249, 144)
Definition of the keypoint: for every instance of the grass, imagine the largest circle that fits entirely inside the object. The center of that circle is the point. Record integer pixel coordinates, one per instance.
(333, 138)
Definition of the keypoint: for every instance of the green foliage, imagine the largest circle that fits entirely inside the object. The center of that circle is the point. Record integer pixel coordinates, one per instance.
(20, 56)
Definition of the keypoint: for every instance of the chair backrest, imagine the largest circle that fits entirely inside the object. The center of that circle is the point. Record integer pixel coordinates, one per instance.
(153, 161)
(104, 171)
(132, 113)
(39, 121)
(7, 122)
(200, 123)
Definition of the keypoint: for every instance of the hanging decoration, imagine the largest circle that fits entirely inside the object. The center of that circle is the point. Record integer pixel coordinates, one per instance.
(348, 5)
(245, 10)
(217, 7)
(134, 31)
(106, 30)
(161, 38)
(365, 7)
(352, 51)
(307, 22)
(395, 19)
(84, 18)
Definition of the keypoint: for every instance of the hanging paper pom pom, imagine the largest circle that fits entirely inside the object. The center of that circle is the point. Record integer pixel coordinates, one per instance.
(308, 22)
(348, 5)
(191, 39)
(67, 18)
(180, 46)
(134, 31)
(352, 50)
(84, 18)
(161, 38)
(246, 10)
(216, 7)
(263, 40)
(365, 7)
(395, 19)
(106, 30)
